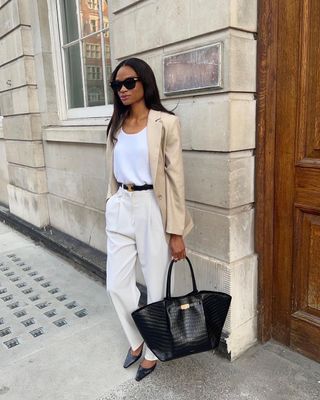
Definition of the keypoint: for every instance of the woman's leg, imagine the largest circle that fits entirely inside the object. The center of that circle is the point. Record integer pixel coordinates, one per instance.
(153, 252)
(121, 261)
(121, 284)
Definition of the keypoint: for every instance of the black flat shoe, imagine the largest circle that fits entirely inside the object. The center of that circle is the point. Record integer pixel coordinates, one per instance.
(143, 372)
(130, 359)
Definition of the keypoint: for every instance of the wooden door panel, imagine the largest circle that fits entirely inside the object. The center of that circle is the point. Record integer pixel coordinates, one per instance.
(305, 313)
(308, 113)
(296, 301)
(307, 187)
(305, 336)
(314, 268)
(313, 79)
(284, 178)
(306, 261)
(288, 180)
(306, 270)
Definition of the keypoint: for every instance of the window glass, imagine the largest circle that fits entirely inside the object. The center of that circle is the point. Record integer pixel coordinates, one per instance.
(94, 70)
(74, 77)
(86, 51)
(93, 4)
(69, 20)
(108, 69)
(105, 17)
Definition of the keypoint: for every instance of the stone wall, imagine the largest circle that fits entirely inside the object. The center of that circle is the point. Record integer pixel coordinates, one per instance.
(218, 129)
(19, 105)
(4, 178)
(75, 161)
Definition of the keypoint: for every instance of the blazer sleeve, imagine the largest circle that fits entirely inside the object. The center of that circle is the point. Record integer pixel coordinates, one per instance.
(174, 176)
(109, 167)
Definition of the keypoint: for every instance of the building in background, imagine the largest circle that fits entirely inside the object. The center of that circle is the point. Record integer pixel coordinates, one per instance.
(55, 61)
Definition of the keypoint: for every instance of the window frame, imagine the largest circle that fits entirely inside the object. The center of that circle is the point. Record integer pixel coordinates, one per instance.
(68, 114)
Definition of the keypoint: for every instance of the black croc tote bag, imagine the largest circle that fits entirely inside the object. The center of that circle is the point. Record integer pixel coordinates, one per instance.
(179, 326)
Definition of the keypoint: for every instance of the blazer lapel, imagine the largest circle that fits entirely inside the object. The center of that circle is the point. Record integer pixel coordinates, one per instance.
(154, 127)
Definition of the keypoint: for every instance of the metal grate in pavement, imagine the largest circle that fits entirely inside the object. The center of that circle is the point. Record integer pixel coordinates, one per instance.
(60, 322)
(11, 343)
(28, 299)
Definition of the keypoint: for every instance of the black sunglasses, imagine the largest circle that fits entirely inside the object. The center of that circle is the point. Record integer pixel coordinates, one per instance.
(129, 83)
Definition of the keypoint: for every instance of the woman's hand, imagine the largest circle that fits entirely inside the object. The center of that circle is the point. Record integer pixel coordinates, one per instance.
(177, 247)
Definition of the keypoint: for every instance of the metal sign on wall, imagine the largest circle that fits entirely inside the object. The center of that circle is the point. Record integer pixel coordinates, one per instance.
(195, 69)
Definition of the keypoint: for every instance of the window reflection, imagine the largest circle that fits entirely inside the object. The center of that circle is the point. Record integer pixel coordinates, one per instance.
(94, 70)
(69, 20)
(89, 17)
(93, 4)
(105, 17)
(90, 42)
(74, 78)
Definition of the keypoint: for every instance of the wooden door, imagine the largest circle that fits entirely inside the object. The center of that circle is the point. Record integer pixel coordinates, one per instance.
(296, 240)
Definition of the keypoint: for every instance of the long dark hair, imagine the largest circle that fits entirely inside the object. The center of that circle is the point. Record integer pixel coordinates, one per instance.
(151, 94)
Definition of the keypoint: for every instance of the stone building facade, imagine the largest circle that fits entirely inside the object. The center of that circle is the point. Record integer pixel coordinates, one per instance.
(52, 157)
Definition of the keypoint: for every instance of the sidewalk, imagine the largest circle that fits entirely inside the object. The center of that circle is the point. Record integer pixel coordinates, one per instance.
(61, 340)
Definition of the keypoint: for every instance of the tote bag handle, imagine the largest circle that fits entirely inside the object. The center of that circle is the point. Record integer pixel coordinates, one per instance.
(168, 295)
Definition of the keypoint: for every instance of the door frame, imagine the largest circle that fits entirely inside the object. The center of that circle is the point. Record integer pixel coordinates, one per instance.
(267, 46)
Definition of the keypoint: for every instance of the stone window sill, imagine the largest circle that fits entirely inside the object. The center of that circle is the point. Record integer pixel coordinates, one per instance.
(76, 134)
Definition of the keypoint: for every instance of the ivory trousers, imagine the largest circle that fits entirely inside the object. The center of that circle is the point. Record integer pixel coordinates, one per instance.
(135, 231)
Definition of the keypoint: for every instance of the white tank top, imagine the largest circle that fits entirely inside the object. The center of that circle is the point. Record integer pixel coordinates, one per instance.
(131, 158)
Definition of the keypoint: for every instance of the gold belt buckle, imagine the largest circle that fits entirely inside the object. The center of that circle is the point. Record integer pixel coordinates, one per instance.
(130, 187)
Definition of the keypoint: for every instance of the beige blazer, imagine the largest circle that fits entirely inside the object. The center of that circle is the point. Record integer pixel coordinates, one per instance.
(165, 155)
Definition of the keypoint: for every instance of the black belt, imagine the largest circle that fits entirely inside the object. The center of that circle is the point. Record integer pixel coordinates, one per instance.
(132, 188)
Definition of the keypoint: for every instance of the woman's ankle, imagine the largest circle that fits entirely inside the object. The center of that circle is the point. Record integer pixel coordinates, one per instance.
(137, 350)
(145, 363)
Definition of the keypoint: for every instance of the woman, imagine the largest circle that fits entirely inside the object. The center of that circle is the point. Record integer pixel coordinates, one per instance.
(146, 216)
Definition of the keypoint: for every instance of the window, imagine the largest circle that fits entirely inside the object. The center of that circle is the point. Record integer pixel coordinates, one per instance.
(93, 73)
(93, 51)
(93, 24)
(85, 55)
(93, 4)
(95, 95)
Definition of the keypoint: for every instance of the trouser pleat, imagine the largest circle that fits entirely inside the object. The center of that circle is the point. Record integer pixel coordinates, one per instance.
(135, 232)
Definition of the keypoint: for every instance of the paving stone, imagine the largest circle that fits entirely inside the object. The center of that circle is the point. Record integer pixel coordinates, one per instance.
(73, 348)
(269, 372)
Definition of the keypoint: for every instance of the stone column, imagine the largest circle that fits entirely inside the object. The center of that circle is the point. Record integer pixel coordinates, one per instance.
(27, 188)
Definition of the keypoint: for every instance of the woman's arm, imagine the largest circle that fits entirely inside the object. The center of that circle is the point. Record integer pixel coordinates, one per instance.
(174, 175)
(175, 192)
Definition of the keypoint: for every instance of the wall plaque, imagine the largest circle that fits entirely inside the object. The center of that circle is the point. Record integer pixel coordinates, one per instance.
(195, 69)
